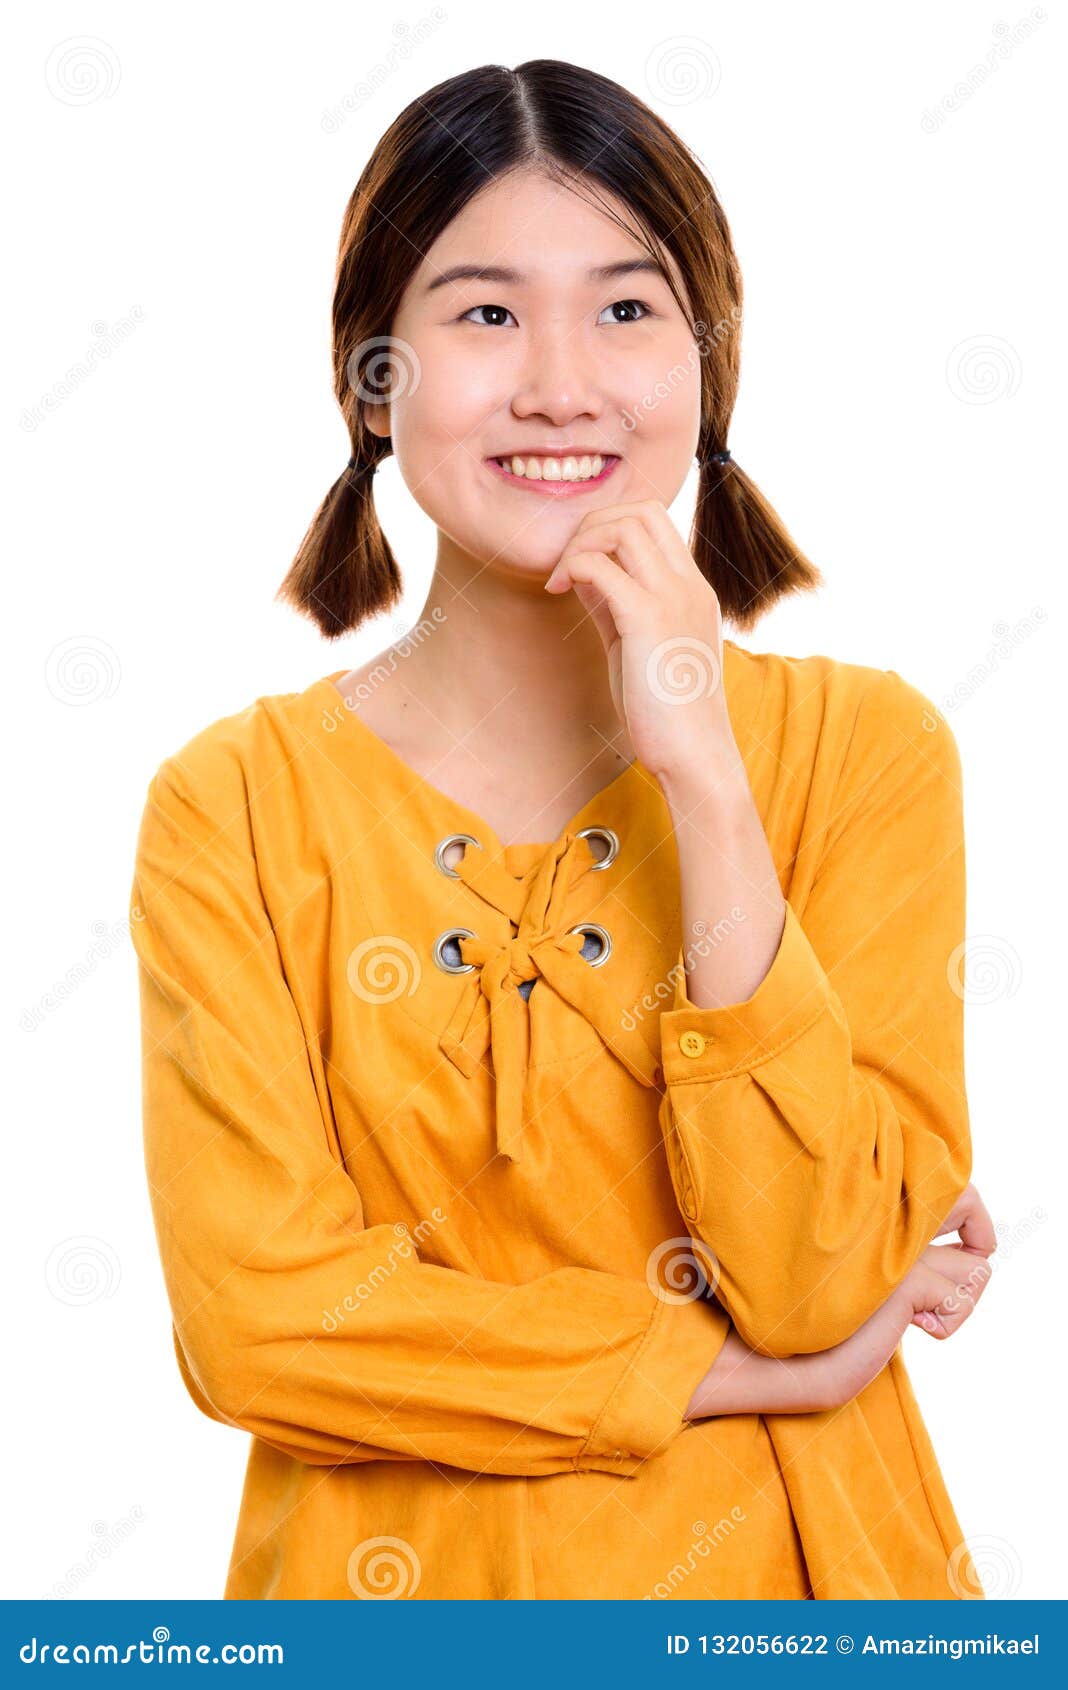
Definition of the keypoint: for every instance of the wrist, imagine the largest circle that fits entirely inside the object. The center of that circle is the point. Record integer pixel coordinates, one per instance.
(718, 784)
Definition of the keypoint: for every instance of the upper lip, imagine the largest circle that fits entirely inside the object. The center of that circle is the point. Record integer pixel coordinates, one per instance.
(555, 452)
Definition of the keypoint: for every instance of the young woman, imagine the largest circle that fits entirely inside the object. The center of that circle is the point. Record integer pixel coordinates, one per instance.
(565, 946)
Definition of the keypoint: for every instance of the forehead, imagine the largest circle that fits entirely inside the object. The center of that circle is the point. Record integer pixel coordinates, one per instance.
(532, 232)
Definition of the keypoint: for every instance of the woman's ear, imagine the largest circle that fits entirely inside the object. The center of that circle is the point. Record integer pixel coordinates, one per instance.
(375, 417)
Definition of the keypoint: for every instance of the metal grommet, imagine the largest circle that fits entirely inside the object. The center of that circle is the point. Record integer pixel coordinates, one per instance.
(450, 937)
(442, 846)
(599, 932)
(613, 843)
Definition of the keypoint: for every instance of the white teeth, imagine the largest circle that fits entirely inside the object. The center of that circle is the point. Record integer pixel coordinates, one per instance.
(555, 469)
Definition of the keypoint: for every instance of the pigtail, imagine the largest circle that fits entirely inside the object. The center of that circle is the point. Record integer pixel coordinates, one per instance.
(344, 570)
(741, 545)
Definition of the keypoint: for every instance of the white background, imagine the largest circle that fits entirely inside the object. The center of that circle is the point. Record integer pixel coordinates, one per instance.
(170, 430)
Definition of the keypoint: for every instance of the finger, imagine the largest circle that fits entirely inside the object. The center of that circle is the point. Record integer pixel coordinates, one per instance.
(965, 1278)
(971, 1218)
(628, 602)
(977, 1229)
(630, 540)
(653, 513)
(955, 1263)
(599, 613)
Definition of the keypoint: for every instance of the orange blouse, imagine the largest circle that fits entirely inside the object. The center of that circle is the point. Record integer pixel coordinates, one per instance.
(432, 1148)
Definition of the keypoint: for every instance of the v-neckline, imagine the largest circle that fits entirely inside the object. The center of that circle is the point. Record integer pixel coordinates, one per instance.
(515, 848)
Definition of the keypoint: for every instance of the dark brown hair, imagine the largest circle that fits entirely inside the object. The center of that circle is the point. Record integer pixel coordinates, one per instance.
(574, 125)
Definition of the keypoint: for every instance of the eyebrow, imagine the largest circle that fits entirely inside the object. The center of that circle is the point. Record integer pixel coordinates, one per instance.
(496, 273)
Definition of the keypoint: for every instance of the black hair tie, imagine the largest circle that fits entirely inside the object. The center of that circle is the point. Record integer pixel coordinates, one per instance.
(366, 469)
(716, 458)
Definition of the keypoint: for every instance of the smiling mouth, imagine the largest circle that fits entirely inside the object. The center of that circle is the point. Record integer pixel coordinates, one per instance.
(556, 477)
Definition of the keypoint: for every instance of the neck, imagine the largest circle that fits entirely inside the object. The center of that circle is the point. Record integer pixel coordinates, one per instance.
(498, 659)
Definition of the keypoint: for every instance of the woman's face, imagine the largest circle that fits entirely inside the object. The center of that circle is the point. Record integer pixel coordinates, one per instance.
(547, 362)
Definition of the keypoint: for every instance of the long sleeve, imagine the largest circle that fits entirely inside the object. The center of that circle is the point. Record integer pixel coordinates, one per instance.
(818, 1133)
(329, 1339)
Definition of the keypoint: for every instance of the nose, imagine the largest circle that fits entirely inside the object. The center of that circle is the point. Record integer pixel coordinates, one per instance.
(558, 379)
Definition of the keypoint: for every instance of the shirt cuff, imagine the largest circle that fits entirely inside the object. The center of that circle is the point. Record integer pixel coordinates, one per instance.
(646, 1410)
(710, 1044)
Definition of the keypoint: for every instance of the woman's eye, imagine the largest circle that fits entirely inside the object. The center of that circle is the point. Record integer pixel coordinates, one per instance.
(503, 309)
(626, 305)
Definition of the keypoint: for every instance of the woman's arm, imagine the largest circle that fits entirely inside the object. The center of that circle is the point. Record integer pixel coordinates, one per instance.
(817, 1132)
(939, 1294)
(331, 1339)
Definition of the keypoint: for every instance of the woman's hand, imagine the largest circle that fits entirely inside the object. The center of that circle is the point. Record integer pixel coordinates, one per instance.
(659, 621)
(970, 1218)
(938, 1295)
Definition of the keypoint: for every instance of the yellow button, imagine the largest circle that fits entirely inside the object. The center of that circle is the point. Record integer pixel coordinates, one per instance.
(692, 1043)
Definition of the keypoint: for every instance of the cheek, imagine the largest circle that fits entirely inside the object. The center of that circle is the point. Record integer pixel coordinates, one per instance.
(449, 416)
(665, 401)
